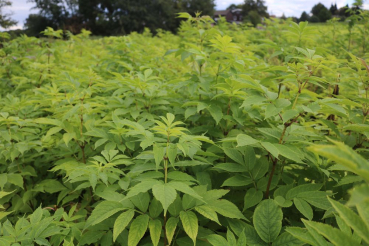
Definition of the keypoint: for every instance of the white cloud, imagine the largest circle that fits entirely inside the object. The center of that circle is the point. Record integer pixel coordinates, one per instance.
(288, 7)
(223, 4)
(20, 10)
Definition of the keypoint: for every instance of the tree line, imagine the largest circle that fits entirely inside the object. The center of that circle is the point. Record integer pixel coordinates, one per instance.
(254, 10)
(112, 17)
(119, 17)
(321, 13)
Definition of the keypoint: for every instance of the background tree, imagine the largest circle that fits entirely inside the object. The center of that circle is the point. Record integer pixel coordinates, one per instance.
(304, 16)
(320, 11)
(358, 4)
(35, 24)
(314, 19)
(324, 15)
(206, 7)
(255, 5)
(234, 6)
(344, 12)
(56, 13)
(253, 10)
(254, 18)
(293, 18)
(333, 9)
(316, 9)
(115, 17)
(5, 19)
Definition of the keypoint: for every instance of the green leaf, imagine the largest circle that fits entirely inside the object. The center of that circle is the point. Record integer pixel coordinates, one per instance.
(271, 110)
(298, 190)
(362, 209)
(190, 163)
(304, 208)
(91, 237)
(319, 202)
(344, 155)
(252, 236)
(3, 180)
(184, 188)
(172, 153)
(47, 121)
(252, 198)
(282, 202)
(190, 224)
(231, 167)
(180, 176)
(36, 216)
(357, 127)
(68, 136)
(227, 209)
(158, 155)
(93, 180)
(305, 236)
(237, 180)
(4, 214)
(242, 239)
(15, 179)
(286, 239)
(217, 240)
(212, 195)
(255, 99)
(121, 222)
(244, 140)
(216, 113)
(155, 228)
(343, 226)
(352, 219)
(155, 208)
(176, 207)
(190, 111)
(260, 169)
(234, 154)
(4, 193)
(165, 194)
(103, 211)
(289, 114)
(250, 157)
(170, 228)
(332, 234)
(137, 229)
(141, 201)
(270, 148)
(288, 152)
(268, 220)
(231, 238)
(207, 212)
(141, 187)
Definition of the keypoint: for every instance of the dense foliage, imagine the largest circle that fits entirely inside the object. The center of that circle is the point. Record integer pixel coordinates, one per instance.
(112, 17)
(220, 135)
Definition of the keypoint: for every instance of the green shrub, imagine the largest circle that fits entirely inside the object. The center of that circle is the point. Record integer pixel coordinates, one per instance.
(220, 135)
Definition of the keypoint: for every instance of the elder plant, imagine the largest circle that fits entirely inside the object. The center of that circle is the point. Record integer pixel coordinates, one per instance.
(220, 135)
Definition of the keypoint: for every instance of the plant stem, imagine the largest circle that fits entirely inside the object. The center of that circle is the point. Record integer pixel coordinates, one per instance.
(271, 177)
(166, 169)
(229, 106)
(302, 86)
(275, 160)
(166, 180)
(165, 231)
(82, 146)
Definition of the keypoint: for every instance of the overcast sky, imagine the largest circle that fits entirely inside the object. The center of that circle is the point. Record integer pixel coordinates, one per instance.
(22, 8)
